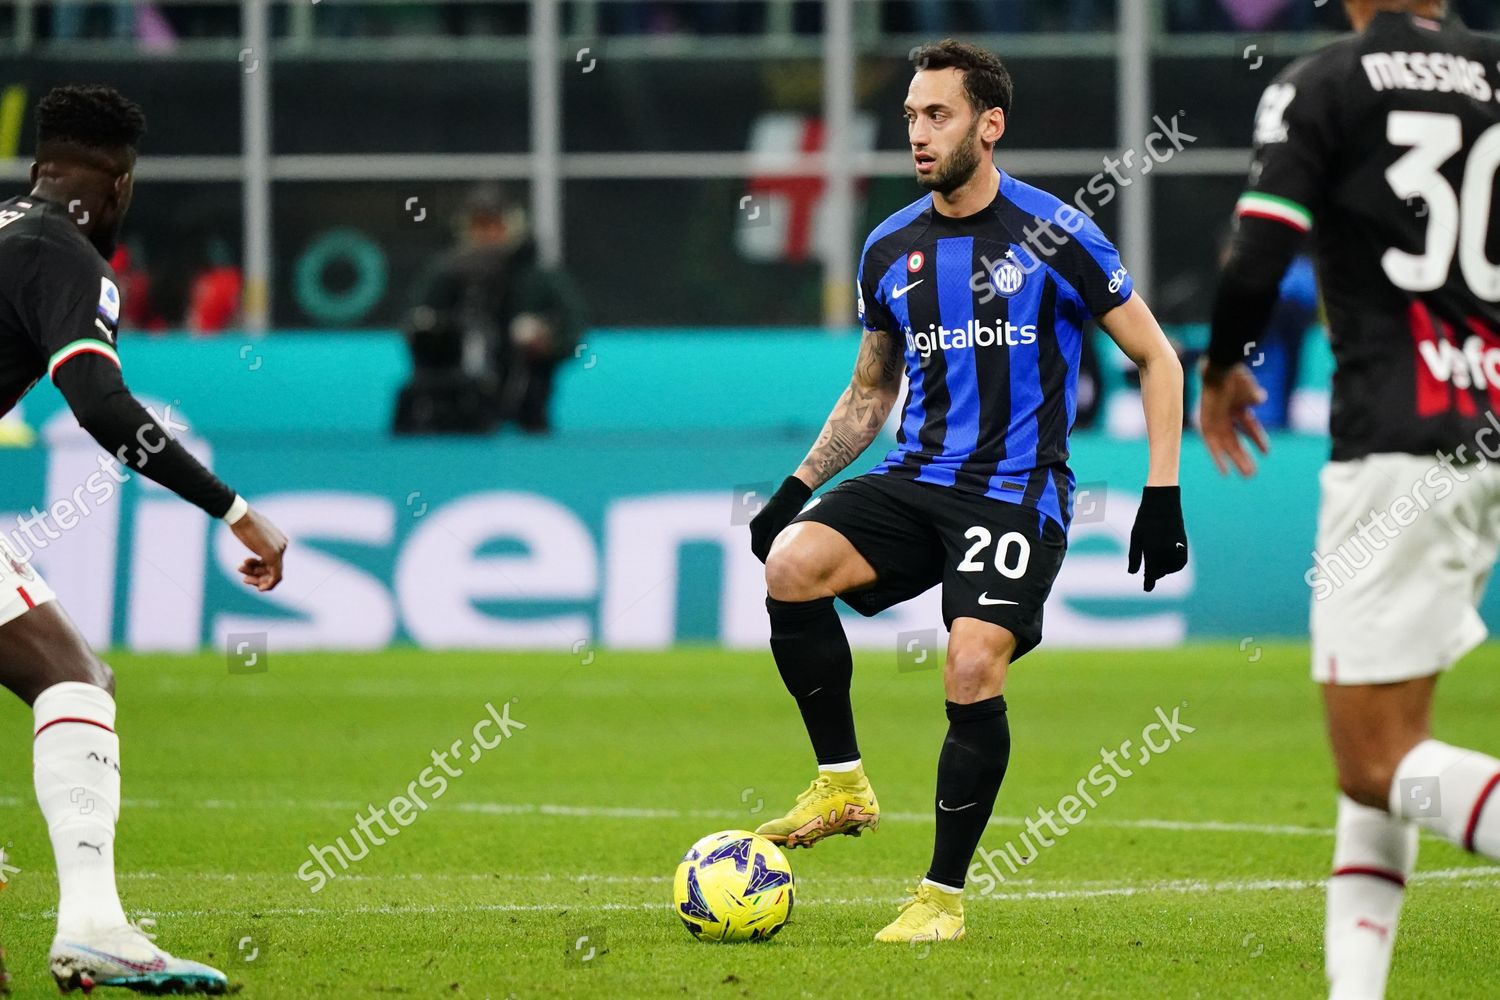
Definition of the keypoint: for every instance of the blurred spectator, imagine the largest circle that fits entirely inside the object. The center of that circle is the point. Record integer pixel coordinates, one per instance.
(214, 301)
(138, 311)
(1258, 15)
(489, 330)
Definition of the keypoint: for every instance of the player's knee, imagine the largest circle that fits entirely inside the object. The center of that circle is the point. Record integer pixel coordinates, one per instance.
(973, 670)
(794, 574)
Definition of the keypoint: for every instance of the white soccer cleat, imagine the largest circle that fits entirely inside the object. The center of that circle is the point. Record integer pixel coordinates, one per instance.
(124, 957)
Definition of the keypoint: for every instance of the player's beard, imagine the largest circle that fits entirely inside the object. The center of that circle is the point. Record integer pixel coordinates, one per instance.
(958, 168)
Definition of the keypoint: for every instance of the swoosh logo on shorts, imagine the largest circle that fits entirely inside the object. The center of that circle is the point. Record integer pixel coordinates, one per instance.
(985, 598)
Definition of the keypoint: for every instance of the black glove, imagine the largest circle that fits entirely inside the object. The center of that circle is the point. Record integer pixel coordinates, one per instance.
(1158, 534)
(778, 512)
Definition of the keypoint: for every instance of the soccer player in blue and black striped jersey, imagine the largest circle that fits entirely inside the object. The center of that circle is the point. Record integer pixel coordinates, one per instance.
(983, 290)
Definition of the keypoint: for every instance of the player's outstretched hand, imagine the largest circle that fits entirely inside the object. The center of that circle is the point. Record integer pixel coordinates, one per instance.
(1158, 538)
(1225, 413)
(778, 512)
(262, 570)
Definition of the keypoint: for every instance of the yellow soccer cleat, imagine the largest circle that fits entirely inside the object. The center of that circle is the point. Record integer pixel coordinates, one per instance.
(930, 915)
(837, 802)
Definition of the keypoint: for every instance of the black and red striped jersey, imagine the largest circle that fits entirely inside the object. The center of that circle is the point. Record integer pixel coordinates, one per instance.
(1386, 146)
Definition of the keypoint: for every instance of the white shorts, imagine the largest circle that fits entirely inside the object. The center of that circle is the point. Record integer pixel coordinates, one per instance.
(1399, 599)
(21, 586)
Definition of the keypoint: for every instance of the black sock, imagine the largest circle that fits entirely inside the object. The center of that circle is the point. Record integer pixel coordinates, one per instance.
(970, 770)
(812, 654)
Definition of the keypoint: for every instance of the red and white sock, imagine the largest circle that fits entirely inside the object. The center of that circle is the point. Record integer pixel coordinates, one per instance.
(1373, 855)
(77, 774)
(1453, 792)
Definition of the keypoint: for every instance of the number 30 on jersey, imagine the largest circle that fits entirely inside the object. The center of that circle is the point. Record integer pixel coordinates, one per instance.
(1458, 222)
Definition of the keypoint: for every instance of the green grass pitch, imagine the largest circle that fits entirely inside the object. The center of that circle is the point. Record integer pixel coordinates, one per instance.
(1200, 876)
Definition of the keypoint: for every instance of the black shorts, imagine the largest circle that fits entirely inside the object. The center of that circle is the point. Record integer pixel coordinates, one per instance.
(996, 560)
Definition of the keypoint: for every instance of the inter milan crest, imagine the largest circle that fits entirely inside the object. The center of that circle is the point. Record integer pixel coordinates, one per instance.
(1008, 278)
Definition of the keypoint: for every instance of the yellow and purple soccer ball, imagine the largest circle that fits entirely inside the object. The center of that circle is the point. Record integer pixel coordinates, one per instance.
(733, 886)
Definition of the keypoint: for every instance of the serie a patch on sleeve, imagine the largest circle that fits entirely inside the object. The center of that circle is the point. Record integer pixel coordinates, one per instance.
(108, 320)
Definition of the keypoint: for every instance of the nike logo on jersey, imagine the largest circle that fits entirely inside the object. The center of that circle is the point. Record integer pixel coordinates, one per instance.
(955, 809)
(985, 598)
(898, 292)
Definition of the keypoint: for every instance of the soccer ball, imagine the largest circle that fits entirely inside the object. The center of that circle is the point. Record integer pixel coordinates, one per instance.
(733, 886)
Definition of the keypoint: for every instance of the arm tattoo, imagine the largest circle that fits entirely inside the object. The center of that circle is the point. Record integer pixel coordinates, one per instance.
(860, 411)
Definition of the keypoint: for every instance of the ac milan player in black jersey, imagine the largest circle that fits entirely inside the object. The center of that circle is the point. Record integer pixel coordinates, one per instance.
(1386, 147)
(59, 315)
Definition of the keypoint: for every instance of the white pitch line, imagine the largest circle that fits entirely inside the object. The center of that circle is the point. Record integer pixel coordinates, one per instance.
(1461, 876)
(501, 877)
(637, 813)
(1478, 877)
(290, 878)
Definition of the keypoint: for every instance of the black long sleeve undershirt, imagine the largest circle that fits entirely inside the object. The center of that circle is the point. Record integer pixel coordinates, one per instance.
(1249, 288)
(104, 407)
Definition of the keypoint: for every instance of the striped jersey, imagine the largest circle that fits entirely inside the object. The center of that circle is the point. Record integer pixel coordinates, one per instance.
(993, 309)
